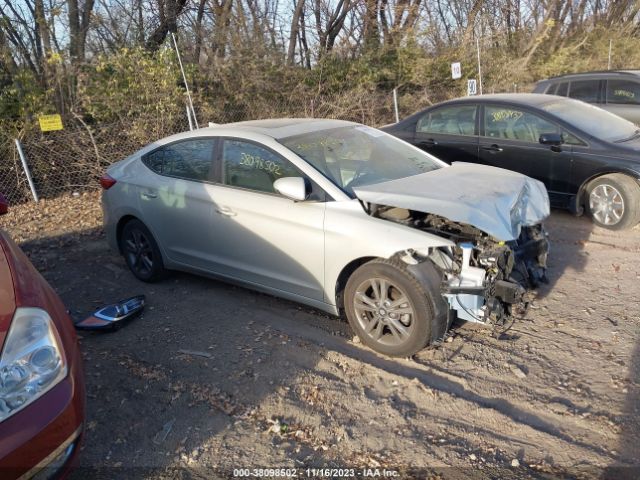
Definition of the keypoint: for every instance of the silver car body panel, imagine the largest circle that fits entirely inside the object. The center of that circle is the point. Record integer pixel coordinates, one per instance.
(497, 201)
(296, 250)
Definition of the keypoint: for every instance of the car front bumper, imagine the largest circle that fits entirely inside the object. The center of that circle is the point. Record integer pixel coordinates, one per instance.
(43, 440)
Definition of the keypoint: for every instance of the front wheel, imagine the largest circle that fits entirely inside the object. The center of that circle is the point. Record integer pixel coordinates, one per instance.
(389, 309)
(141, 252)
(614, 201)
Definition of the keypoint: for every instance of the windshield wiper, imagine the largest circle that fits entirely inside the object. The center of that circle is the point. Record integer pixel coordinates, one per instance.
(635, 134)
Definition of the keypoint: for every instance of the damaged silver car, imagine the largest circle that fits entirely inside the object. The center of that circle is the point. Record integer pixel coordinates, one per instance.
(336, 215)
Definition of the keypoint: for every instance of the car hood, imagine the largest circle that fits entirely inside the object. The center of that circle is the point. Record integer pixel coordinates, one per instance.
(497, 201)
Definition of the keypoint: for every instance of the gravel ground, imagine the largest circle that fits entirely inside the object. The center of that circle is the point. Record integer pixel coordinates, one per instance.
(214, 377)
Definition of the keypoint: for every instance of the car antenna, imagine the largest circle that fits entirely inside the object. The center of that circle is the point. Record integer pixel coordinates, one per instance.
(184, 78)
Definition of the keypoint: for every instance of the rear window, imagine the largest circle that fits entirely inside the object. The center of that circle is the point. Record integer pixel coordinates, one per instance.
(188, 159)
(562, 89)
(623, 91)
(585, 90)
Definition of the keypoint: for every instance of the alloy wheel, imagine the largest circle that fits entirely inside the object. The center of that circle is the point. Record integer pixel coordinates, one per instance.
(384, 311)
(606, 204)
(138, 252)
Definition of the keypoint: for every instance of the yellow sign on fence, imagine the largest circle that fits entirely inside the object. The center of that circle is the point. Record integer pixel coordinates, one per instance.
(49, 123)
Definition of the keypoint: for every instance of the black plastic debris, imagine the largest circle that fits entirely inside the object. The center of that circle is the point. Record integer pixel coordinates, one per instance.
(113, 316)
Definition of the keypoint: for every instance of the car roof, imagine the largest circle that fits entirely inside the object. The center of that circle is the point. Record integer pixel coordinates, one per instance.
(529, 99)
(596, 74)
(282, 127)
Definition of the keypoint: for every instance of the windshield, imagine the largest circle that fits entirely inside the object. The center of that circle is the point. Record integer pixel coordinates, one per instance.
(593, 120)
(357, 155)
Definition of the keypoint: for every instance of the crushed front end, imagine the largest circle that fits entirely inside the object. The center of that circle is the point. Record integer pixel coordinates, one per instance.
(484, 280)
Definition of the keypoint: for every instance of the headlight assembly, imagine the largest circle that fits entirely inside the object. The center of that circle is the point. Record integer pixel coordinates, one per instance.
(32, 360)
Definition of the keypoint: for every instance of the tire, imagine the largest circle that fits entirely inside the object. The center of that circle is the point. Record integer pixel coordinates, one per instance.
(613, 201)
(377, 323)
(141, 252)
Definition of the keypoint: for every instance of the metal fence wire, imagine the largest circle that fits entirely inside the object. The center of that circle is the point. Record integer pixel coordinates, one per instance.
(73, 159)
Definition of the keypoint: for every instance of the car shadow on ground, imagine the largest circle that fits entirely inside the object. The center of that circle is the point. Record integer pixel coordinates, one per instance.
(568, 235)
(185, 371)
(628, 467)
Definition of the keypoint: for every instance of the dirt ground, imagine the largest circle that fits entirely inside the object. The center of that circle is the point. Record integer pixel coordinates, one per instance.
(213, 377)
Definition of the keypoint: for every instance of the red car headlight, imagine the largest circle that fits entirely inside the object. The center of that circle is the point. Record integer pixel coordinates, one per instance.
(32, 360)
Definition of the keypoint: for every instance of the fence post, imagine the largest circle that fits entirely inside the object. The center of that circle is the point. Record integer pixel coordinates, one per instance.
(189, 118)
(395, 103)
(26, 170)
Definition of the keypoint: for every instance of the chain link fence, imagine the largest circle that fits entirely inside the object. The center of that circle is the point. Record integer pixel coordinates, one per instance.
(73, 159)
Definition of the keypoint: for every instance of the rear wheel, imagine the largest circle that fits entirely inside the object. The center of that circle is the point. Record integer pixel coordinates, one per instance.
(141, 252)
(614, 201)
(389, 309)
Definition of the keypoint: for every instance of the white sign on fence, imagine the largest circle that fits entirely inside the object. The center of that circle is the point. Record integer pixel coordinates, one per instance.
(472, 87)
(456, 70)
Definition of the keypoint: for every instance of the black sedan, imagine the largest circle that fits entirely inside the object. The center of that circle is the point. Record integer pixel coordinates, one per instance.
(589, 159)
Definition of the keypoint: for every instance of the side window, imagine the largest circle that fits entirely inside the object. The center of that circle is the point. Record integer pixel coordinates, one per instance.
(190, 159)
(623, 91)
(247, 165)
(563, 89)
(454, 120)
(585, 90)
(513, 124)
(571, 139)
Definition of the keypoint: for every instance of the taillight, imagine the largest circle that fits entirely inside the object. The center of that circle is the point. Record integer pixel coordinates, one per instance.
(107, 182)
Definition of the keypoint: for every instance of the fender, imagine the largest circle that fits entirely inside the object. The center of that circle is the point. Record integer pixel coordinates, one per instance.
(577, 205)
(351, 234)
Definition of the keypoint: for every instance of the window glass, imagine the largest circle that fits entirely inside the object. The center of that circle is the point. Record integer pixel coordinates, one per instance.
(585, 90)
(563, 89)
(513, 124)
(189, 159)
(592, 120)
(154, 159)
(248, 165)
(623, 91)
(571, 139)
(454, 120)
(354, 156)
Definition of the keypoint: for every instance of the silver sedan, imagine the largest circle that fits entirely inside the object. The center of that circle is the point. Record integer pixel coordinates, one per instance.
(335, 215)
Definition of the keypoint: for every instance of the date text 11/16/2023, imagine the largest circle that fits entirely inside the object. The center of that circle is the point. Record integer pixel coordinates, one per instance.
(332, 473)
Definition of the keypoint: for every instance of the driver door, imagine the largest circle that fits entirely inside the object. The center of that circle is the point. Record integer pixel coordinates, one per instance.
(510, 139)
(259, 236)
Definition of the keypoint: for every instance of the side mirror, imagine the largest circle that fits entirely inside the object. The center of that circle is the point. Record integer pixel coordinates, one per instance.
(294, 188)
(4, 205)
(553, 139)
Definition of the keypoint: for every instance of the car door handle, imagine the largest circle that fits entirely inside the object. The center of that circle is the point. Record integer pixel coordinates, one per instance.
(227, 212)
(149, 194)
(428, 143)
(492, 148)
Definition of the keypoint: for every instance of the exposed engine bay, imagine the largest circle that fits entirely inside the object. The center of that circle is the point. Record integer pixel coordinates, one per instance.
(484, 280)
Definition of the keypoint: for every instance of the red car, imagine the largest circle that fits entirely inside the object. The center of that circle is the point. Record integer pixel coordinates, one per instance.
(42, 396)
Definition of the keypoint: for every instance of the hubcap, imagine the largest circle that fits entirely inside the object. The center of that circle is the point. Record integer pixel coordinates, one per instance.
(606, 204)
(138, 252)
(384, 311)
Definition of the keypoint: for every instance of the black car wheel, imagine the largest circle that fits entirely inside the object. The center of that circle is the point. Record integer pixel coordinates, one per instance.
(614, 201)
(390, 310)
(141, 252)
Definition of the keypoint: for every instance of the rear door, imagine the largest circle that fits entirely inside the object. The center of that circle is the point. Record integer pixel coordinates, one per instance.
(449, 132)
(175, 200)
(510, 139)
